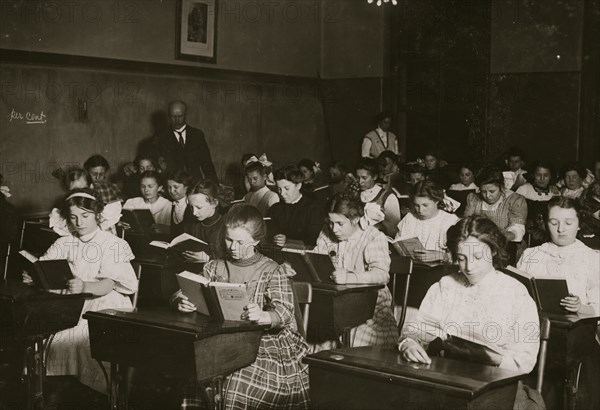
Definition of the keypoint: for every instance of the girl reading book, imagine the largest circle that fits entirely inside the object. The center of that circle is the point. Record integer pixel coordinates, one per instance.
(478, 303)
(565, 256)
(278, 378)
(151, 184)
(100, 265)
(361, 257)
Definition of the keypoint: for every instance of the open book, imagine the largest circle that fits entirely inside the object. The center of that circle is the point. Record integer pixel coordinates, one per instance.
(309, 266)
(219, 300)
(545, 291)
(140, 220)
(414, 249)
(182, 243)
(51, 274)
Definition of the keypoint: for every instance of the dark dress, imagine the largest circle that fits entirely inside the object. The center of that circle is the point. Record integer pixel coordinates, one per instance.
(300, 221)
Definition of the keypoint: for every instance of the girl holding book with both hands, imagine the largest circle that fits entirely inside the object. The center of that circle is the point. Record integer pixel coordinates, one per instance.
(100, 264)
(277, 379)
(361, 257)
(151, 184)
(478, 302)
(566, 257)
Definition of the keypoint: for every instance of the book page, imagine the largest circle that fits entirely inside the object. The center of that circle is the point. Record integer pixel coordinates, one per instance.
(195, 277)
(28, 256)
(160, 244)
(185, 237)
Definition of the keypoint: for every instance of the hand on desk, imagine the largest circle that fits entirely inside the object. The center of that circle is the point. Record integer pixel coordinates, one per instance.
(184, 305)
(253, 313)
(571, 303)
(75, 286)
(279, 240)
(414, 352)
(197, 257)
(340, 276)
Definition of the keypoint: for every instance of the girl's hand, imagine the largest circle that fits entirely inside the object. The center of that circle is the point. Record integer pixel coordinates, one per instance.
(414, 352)
(184, 305)
(26, 278)
(279, 240)
(196, 257)
(571, 303)
(76, 285)
(253, 313)
(340, 276)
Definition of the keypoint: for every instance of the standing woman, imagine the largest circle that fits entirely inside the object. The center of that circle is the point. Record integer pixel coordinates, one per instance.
(208, 206)
(100, 265)
(507, 209)
(362, 257)
(298, 217)
(385, 214)
(380, 139)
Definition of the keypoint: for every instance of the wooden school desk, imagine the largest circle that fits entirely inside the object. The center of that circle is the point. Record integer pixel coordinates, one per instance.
(377, 378)
(29, 315)
(335, 309)
(168, 342)
(572, 343)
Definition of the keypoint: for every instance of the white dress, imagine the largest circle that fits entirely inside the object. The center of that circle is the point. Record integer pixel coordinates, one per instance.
(577, 263)
(498, 310)
(161, 208)
(93, 257)
(431, 232)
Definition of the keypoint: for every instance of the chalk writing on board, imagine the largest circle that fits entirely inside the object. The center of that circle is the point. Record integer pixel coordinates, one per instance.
(30, 118)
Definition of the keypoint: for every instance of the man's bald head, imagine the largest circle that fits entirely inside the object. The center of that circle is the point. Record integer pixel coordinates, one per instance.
(177, 113)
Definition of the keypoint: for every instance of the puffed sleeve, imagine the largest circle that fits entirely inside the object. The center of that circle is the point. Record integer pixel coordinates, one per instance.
(520, 354)
(593, 284)
(281, 299)
(58, 250)
(58, 223)
(111, 214)
(471, 205)
(377, 261)
(517, 211)
(115, 265)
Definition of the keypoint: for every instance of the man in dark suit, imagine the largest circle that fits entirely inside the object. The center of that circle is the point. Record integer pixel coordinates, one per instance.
(184, 147)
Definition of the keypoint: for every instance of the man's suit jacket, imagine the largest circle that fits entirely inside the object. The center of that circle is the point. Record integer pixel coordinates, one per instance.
(195, 158)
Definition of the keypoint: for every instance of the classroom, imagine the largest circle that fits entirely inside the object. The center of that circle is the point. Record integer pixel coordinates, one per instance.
(299, 204)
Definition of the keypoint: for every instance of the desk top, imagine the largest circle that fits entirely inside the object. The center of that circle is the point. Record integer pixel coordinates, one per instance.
(570, 320)
(337, 290)
(14, 291)
(195, 324)
(468, 379)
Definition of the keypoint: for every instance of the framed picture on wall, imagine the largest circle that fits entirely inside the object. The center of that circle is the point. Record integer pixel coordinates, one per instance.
(196, 30)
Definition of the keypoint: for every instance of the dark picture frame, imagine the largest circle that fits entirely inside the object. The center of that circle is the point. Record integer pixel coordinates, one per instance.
(196, 30)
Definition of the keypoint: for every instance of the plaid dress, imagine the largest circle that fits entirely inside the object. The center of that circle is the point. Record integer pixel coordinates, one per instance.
(277, 379)
(365, 255)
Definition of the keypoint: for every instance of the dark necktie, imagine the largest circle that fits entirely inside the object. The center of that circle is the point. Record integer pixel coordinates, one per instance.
(180, 134)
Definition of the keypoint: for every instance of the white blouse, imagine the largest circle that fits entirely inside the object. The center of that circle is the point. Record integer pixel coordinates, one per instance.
(161, 209)
(431, 232)
(497, 310)
(577, 263)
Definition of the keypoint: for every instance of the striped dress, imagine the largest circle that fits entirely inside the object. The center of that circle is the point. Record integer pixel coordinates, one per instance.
(511, 209)
(277, 379)
(365, 255)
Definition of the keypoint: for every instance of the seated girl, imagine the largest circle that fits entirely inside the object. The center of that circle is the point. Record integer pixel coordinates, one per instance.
(312, 174)
(250, 158)
(208, 206)
(478, 303)
(151, 185)
(78, 178)
(278, 378)
(108, 276)
(178, 184)
(435, 169)
(362, 256)
(573, 175)
(385, 211)
(427, 221)
(507, 209)
(341, 179)
(259, 195)
(565, 256)
(299, 217)
(467, 179)
(141, 164)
